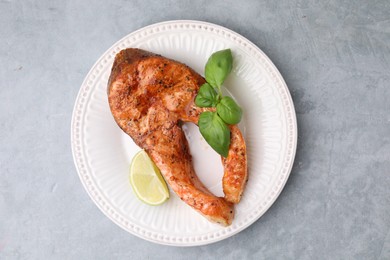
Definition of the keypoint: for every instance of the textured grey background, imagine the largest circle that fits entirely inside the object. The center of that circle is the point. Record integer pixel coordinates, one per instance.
(335, 58)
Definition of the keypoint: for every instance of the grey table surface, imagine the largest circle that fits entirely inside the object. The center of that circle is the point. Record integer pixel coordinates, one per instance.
(335, 58)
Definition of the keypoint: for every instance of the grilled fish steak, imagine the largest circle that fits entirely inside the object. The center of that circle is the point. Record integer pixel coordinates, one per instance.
(150, 96)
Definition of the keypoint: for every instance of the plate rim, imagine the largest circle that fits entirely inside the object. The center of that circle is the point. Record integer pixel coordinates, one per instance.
(292, 116)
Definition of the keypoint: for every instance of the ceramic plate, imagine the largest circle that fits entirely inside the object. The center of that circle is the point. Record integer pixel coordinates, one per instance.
(102, 152)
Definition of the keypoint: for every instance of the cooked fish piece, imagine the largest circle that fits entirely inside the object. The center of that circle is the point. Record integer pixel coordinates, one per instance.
(235, 164)
(150, 96)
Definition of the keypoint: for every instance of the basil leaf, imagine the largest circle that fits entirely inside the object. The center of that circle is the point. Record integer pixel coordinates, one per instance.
(229, 111)
(218, 67)
(207, 97)
(215, 132)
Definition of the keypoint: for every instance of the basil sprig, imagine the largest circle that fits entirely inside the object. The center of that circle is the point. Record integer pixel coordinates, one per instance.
(214, 125)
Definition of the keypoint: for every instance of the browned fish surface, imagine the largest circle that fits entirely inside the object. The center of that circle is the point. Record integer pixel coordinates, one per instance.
(235, 176)
(149, 97)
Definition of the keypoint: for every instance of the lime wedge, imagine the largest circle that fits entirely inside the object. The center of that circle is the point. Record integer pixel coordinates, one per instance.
(146, 180)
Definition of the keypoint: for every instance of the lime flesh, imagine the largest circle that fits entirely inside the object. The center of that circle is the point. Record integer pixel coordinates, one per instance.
(146, 180)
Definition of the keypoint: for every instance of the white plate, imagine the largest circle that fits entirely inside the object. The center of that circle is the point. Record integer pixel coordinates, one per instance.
(102, 152)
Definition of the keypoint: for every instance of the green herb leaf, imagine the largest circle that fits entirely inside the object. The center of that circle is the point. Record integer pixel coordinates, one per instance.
(215, 132)
(218, 67)
(229, 111)
(207, 97)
